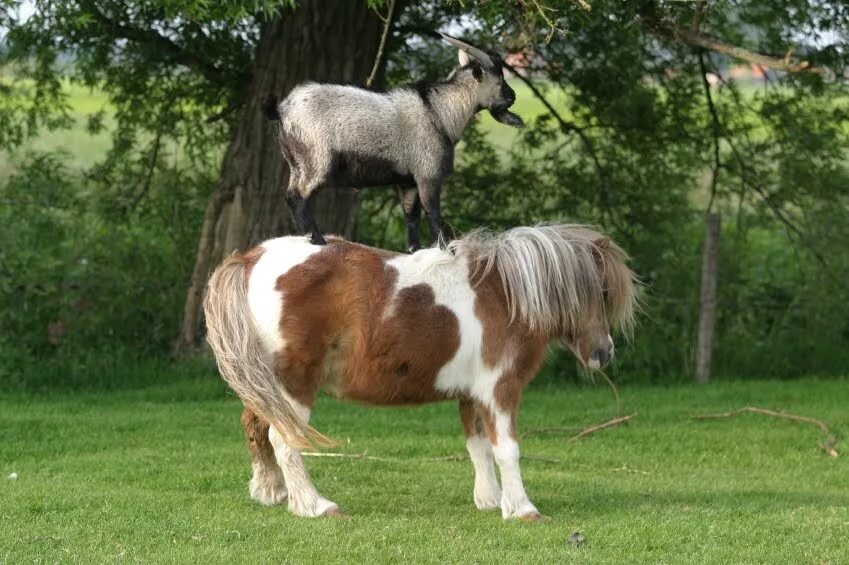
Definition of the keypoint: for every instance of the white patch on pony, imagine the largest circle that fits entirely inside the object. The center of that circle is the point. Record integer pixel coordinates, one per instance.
(266, 303)
(466, 373)
(267, 485)
(304, 499)
(594, 364)
(487, 493)
(514, 499)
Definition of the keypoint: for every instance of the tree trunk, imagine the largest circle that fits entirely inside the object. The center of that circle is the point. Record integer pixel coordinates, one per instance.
(707, 301)
(320, 40)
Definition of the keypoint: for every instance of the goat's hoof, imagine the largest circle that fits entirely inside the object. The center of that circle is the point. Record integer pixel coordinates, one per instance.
(317, 240)
(534, 517)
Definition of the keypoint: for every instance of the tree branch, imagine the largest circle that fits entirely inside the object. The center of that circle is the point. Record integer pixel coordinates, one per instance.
(154, 157)
(567, 127)
(745, 175)
(378, 58)
(671, 32)
(169, 48)
(715, 127)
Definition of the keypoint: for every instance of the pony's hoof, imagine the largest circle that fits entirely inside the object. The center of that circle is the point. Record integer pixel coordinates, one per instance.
(335, 512)
(534, 517)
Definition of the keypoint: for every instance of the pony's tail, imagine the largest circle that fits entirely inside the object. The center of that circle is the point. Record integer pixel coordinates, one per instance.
(242, 360)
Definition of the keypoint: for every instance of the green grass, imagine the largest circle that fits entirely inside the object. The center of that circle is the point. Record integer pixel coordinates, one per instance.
(160, 475)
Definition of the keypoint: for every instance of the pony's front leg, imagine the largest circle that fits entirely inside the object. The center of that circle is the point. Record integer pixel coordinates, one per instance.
(304, 499)
(514, 500)
(487, 493)
(267, 485)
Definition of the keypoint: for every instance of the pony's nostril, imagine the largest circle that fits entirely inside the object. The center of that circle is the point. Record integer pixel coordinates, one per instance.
(601, 355)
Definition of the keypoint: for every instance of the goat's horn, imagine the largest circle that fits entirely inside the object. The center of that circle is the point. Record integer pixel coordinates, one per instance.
(472, 51)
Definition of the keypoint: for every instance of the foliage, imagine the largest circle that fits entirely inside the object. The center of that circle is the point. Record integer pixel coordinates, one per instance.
(629, 140)
(160, 474)
(85, 278)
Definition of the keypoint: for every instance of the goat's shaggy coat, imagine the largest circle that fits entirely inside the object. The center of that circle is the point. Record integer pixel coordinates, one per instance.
(341, 136)
(289, 318)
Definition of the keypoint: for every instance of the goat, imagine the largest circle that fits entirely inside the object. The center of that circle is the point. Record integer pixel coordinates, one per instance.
(342, 136)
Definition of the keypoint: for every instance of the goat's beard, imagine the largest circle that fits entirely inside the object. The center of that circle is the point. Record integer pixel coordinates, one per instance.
(505, 116)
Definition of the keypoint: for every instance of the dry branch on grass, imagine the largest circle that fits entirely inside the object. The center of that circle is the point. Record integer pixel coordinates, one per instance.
(600, 426)
(590, 429)
(827, 445)
(444, 458)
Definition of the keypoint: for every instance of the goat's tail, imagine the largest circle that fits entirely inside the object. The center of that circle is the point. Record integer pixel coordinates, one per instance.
(243, 361)
(271, 108)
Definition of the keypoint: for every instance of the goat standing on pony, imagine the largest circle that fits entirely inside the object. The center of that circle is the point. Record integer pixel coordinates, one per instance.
(338, 136)
(470, 323)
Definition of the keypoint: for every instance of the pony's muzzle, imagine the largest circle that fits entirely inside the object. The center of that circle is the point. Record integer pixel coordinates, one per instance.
(601, 355)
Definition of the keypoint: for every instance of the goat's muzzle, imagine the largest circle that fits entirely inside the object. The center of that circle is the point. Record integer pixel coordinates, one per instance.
(505, 116)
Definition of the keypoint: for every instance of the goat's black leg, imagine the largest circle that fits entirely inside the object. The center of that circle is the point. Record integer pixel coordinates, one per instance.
(429, 194)
(293, 200)
(412, 207)
(306, 218)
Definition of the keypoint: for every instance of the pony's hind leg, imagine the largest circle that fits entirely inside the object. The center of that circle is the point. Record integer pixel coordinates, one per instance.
(267, 486)
(304, 499)
(487, 493)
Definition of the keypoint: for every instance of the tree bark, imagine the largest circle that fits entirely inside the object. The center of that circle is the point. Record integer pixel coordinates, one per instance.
(320, 40)
(707, 301)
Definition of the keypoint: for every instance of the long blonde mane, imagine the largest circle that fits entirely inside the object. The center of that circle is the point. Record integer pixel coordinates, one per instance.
(556, 278)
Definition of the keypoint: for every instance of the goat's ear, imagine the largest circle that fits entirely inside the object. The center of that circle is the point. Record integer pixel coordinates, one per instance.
(477, 72)
(463, 57)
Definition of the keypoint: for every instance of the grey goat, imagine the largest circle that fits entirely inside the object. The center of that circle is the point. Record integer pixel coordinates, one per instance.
(343, 136)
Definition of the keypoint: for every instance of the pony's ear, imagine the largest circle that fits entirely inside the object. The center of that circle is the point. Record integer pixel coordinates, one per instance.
(602, 243)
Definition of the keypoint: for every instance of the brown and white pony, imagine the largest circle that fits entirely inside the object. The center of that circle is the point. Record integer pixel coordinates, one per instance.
(470, 322)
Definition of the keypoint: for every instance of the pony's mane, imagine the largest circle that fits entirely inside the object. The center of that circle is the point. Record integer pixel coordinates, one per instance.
(556, 277)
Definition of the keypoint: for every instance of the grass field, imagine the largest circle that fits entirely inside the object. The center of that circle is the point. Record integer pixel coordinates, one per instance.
(160, 475)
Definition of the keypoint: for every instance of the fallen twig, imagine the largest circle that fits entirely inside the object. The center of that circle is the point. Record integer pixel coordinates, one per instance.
(444, 458)
(346, 456)
(827, 445)
(555, 430)
(596, 427)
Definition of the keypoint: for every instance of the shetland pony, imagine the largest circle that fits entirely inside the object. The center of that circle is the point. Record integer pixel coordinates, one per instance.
(470, 322)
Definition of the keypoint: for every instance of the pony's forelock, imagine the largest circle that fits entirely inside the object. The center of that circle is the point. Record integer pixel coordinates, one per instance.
(556, 278)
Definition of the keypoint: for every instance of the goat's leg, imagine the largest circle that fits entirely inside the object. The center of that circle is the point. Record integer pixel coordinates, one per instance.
(487, 493)
(306, 218)
(293, 200)
(267, 486)
(412, 207)
(429, 193)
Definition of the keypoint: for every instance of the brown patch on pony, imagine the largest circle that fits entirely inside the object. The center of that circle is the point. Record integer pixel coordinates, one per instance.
(256, 433)
(388, 345)
(515, 345)
(477, 420)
